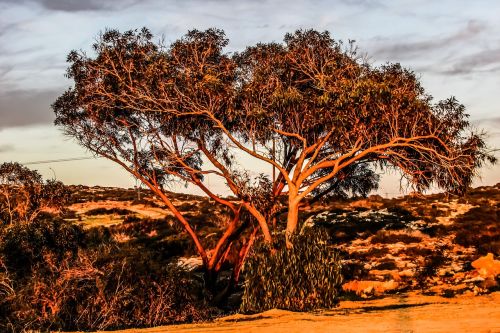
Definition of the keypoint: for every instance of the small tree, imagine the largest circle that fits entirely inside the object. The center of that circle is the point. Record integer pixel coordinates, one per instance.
(23, 194)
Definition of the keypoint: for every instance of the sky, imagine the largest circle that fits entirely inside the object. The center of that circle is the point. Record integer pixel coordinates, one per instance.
(453, 45)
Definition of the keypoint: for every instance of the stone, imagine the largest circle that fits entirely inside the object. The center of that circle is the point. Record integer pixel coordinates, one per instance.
(382, 274)
(190, 264)
(406, 273)
(369, 286)
(489, 283)
(486, 266)
(474, 279)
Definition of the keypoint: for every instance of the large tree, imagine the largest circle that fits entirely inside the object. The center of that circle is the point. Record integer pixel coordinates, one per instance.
(309, 108)
(335, 115)
(126, 105)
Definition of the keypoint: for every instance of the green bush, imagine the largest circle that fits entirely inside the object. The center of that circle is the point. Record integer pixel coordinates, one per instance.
(305, 277)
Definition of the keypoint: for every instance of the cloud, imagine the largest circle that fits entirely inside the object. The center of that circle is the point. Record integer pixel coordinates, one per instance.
(24, 108)
(495, 121)
(6, 148)
(78, 5)
(408, 50)
(476, 62)
(368, 4)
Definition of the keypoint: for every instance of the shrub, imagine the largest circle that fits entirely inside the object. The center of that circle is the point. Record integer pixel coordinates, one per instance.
(104, 288)
(24, 245)
(305, 277)
(386, 265)
(24, 194)
(431, 266)
(479, 228)
(108, 211)
(390, 237)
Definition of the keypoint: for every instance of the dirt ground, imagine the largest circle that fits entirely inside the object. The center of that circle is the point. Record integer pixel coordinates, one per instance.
(409, 313)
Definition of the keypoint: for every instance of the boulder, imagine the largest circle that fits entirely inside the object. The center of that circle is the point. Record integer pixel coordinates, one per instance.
(487, 267)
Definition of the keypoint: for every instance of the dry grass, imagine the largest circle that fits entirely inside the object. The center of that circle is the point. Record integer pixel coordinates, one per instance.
(406, 313)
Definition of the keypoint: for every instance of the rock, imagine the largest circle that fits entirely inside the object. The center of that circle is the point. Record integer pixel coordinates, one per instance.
(456, 267)
(489, 283)
(406, 273)
(477, 290)
(447, 271)
(190, 264)
(370, 287)
(474, 279)
(411, 265)
(382, 274)
(486, 266)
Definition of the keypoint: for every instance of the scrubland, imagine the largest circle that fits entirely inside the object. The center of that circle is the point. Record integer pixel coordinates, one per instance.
(116, 259)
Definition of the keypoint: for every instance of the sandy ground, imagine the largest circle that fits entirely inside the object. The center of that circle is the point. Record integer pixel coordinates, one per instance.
(390, 314)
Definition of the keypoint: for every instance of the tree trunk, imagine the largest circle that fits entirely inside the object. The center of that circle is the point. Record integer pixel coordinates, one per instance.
(261, 220)
(222, 296)
(292, 220)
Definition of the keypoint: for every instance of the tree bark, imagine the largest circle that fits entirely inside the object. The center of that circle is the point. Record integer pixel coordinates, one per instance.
(262, 222)
(292, 219)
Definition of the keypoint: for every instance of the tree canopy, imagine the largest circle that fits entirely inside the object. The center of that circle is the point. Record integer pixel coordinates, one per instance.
(309, 107)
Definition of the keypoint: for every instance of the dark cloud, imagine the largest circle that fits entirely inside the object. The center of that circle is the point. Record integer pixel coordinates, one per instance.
(7, 28)
(409, 50)
(5, 69)
(22, 108)
(78, 5)
(480, 61)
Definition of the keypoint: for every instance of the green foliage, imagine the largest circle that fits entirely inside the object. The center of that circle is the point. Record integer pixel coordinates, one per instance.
(305, 277)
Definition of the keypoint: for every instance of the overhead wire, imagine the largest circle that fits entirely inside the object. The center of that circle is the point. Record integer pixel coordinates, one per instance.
(59, 160)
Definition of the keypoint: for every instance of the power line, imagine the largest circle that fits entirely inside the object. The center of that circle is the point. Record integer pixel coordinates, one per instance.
(59, 160)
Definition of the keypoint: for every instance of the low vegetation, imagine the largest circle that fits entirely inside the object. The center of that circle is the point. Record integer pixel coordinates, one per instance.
(305, 277)
(57, 275)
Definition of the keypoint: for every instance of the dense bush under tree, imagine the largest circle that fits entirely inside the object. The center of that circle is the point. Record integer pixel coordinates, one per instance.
(304, 277)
